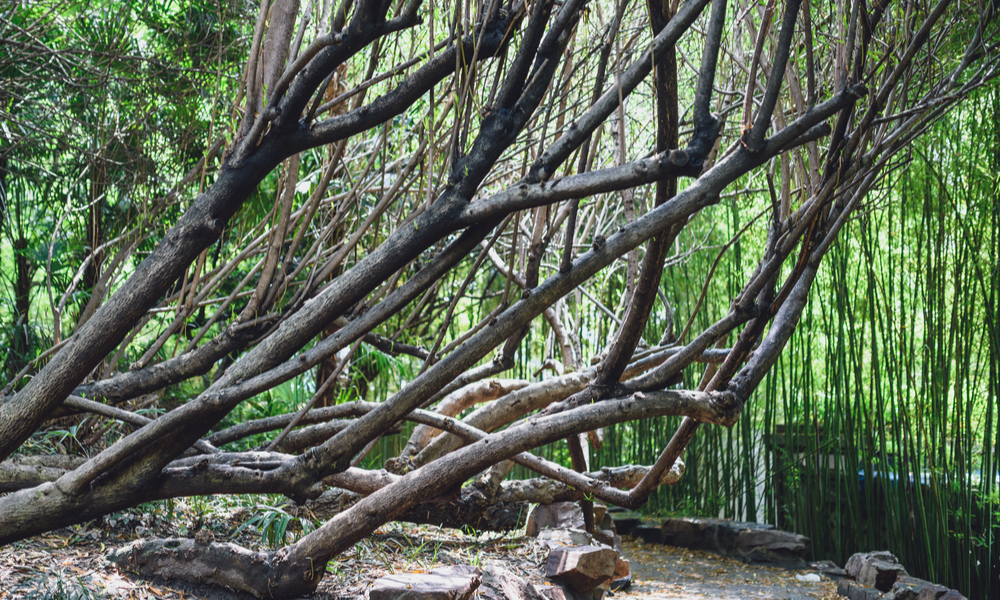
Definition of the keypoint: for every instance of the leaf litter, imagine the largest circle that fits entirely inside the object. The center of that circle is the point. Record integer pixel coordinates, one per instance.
(69, 564)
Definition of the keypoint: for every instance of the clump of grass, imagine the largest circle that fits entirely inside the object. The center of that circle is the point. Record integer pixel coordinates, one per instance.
(275, 526)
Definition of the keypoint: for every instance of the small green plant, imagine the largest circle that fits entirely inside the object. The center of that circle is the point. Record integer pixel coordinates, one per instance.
(57, 441)
(413, 553)
(71, 589)
(275, 524)
(374, 549)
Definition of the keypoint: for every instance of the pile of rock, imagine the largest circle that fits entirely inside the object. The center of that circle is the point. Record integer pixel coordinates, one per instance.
(587, 565)
(580, 566)
(461, 582)
(879, 575)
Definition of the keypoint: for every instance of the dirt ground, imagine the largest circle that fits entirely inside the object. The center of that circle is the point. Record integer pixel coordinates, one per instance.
(69, 565)
(668, 572)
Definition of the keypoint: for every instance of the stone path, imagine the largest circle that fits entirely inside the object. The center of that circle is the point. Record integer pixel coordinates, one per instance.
(666, 572)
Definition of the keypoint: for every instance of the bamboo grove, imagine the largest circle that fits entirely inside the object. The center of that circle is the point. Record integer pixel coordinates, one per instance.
(512, 225)
(891, 380)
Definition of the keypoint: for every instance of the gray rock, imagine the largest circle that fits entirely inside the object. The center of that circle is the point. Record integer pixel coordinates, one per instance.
(557, 592)
(424, 586)
(778, 560)
(501, 584)
(864, 593)
(453, 570)
(880, 574)
(715, 535)
(557, 515)
(855, 591)
(854, 564)
(600, 511)
(583, 568)
(774, 539)
(651, 534)
(608, 538)
(900, 594)
(829, 569)
(932, 592)
(911, 588)
(625, 521)
(566, 537)
(726, 534)
(685, 533)
(757, 543)
(772, 547)
(905, 588)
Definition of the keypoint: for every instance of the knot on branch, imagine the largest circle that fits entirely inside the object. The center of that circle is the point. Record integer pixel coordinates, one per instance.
(399, 465)
(728, 406)
(858, 90)
(703, 139)
(679, 157)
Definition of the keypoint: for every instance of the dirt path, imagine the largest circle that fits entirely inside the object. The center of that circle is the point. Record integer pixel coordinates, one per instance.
(668, 572)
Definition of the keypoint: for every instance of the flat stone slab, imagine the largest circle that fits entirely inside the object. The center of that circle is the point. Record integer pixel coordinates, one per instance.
(424, 586)
(714, 535)
(566, 537)
(772, 547)
(755, 543)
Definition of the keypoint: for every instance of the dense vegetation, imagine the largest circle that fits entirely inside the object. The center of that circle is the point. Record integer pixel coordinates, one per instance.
(892, 376)
(243, 247)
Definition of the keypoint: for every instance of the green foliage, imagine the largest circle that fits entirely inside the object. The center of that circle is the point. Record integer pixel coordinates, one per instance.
(55, 441)
(878, 427)
(275, 526)
(96, 132)
(64, 589)
(288, 397)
